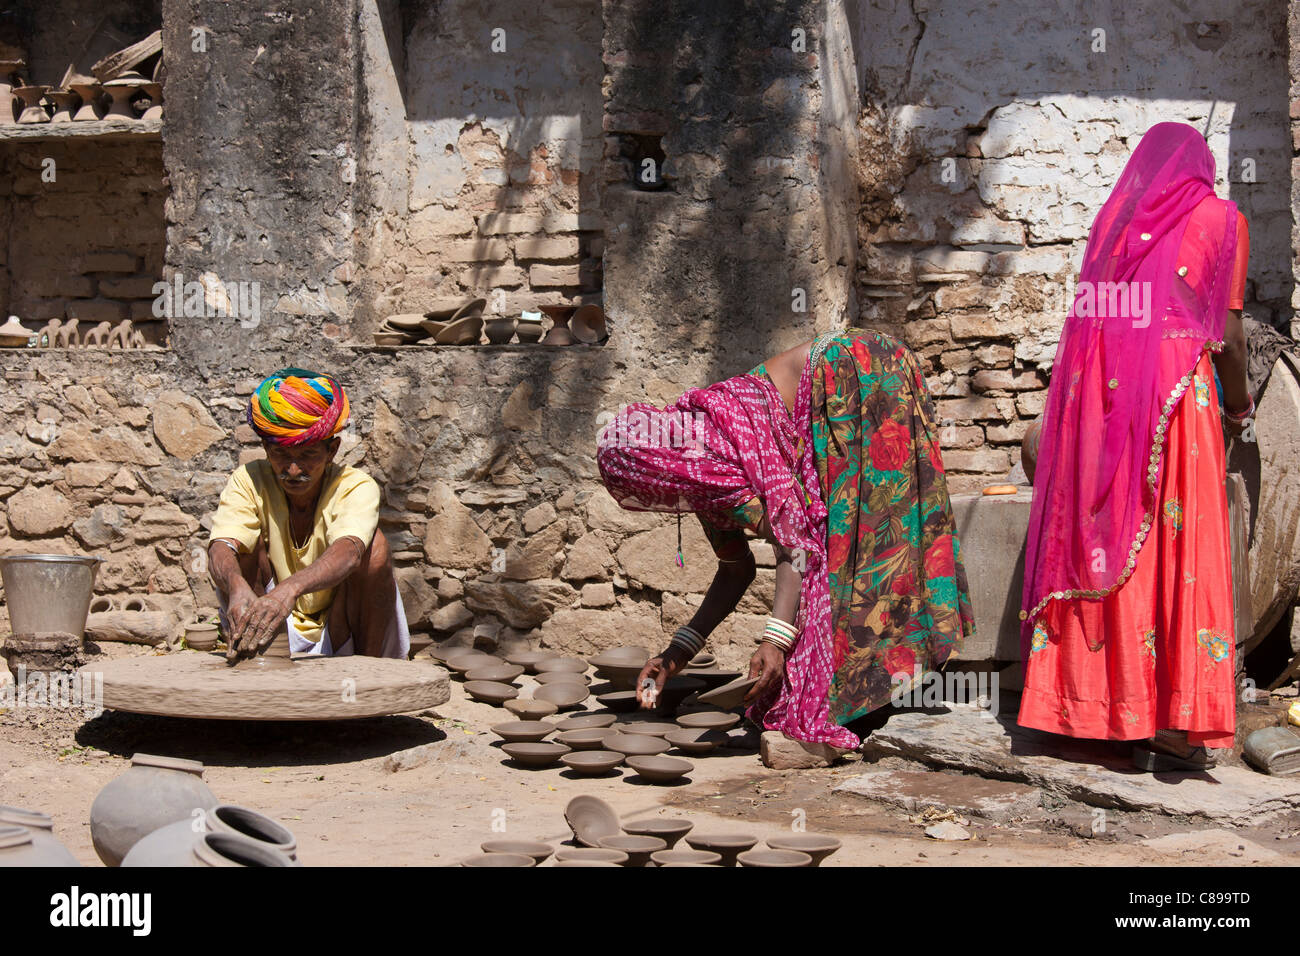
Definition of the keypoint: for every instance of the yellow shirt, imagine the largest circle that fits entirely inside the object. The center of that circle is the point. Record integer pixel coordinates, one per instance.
(253, 507)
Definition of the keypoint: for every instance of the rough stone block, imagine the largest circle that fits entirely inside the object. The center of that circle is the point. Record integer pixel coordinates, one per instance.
(109, 262)
(563, 247)
(779, 752)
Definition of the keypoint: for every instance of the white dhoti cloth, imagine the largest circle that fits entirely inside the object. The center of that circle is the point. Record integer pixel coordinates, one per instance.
(397, 639)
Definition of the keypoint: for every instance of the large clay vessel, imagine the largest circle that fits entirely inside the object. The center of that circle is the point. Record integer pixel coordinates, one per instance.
(18, 848)
(174, 840)
(154, 792)
(43, 840)
(184, 847)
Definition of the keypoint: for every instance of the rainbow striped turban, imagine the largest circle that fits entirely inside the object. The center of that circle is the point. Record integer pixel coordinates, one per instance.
(297, 407)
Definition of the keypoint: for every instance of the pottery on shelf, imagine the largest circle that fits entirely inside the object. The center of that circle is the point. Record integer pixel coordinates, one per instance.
(154, 110)
(391, 338)
(499, 671)
(13, 335)
(499, 330)
(530, 848)
(528, 330)
(466, 331)
(451, 310)
(559, 333)
(773, 858)
(500, 859)
(730, 845)
(97, 337)
(589, 854)
(635, 745)
(709, 720)
(64, 101)
(815, 845)
(529, 660)
(729, 695)
(173, 845)
(535, 754)
(201, 637)
(659, 769)
(30, 98)
(695, 740)
(40, 828)
(523, 731)
(120, 92)
(529, 709)
(404, 322)
(586, 722)
(671, 857)
(592, 762)
(154, 792)
(587, 739)
(590, 818)
(90, 94)
(588, 324)
(668, 829)
(637, 848)
(563, 694)
(8, 78)
(490, 691)
(569, 665)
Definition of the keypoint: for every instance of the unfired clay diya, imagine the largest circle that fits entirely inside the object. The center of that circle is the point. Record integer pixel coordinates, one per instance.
(538, 851)
(563, 695)
(774, 858)
(729, 695)
(589, 854)
(500, 671)
(658, 769)
(570, 665)
(554, 677)
(709, 720)
(730, 845)
(815, 845)
(586, 722)
(592, 763)
(637, 848)
(635, 745)
(524, 731)
(203, 685)
(500, 859)
(535, 754)
(652, 728)
(672, 857)
(668, 829)
(529, 660)
(694, 740)
(529, 709)
(490, 691)
(590, 818)
(620, 701)
(588, 739)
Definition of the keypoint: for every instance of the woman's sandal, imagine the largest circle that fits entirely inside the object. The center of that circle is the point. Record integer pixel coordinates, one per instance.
(1157, 756)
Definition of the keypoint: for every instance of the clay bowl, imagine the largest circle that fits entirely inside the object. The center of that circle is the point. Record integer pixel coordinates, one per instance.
(660, 769)
(592, 763)
(532, 848)
(590, 738)
(620, 701)
(564, 694)
(499, 859)
(585, 863)
(816, 846)
(585, 722)
(529, 709)
(635, 745)
(502, 672)
(560, 677)
(774, 858)
(469, 660)
(431, 330)
(536, 754)
(730, 845)
(709, 720)
(523, 731)
(528, 660)
(637, 848)
(590, 818)
(713, 677)
(686, 857)
(397, 338)
(622, 674)
(588, 324)
(695, 740)
(464, 331)
(729, 695)
(491, 692)
(652, 728)
(588, 855)
(676, 689)
(571, 665)
(443, 652)
(405, 322)
(668, 829)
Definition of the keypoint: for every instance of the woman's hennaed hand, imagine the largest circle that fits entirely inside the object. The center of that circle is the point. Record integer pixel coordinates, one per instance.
(768, 665)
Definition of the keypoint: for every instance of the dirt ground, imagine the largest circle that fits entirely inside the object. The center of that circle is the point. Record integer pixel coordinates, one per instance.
(328, 783)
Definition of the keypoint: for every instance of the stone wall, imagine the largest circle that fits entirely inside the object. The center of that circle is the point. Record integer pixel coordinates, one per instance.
(990, 136)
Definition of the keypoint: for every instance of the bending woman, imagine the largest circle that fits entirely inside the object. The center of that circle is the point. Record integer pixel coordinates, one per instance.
(1127, 621)
(830, 451)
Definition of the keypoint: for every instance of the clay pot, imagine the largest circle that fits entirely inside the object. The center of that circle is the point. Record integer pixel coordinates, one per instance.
(668, 829)
(201, 637)
(524, 731)
(528, 331)
(154, 792)
(89, 94)
(30, 97)
(18, 848)
(172, 845)
(652, 728)
(590, 738)
(565, 665)
(637, 848)
(192, 849)
(590, 818)
(120, 92)
(41, 829)
(13, 335)
(592, 763)
(499, 331)
(621, 701)
(490, 691)
(535, 754)
(562, 694)
(774, 858)
(559, 333)
(709, 720)
(658, 769)
(529, 709)
(586, 722)
(1029, 448)
(529, 660)
(816, 846)
(499, 859)
(635, 745)
(501, 672)
(588, 324)
(730, 845)
(588, 855)
(729, 695)
(672, 857)
(695, 740)
(530, 848)
(64, 101)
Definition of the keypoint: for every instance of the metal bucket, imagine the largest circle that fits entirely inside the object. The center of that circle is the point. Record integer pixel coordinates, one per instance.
(48, 592)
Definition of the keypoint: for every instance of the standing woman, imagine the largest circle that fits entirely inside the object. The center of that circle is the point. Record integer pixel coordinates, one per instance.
(830, 451)
(1127, 620)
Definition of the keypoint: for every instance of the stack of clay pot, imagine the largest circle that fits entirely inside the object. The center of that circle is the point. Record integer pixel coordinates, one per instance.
(450, 322)
(58, 334)
(575, 323)
(161, 813)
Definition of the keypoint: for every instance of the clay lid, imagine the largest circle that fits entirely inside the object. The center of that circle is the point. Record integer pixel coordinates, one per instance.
(18, 817)
(167, 763)
(11, 837)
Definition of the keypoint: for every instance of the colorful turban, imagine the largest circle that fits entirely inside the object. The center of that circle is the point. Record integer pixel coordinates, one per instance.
(297, 407)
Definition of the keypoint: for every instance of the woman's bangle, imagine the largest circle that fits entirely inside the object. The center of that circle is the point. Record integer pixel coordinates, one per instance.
(688, 639)
(1236, 418)
(779, 632)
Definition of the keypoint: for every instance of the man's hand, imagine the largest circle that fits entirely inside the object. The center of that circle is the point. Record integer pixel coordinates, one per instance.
(768, 665)
(255, 622)
(659, 669)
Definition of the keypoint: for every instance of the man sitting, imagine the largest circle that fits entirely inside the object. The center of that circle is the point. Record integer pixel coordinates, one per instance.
(295, 541)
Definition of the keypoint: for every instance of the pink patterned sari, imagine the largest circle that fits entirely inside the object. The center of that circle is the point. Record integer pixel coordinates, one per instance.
(713, 449)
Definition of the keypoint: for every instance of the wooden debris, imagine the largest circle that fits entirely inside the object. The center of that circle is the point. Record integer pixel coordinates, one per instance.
(115, 64)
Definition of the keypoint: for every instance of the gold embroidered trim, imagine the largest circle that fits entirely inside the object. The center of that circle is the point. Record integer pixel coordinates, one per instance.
(1153, 471)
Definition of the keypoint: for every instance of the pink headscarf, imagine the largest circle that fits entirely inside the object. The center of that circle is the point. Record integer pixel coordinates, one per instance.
(713, 449)
(1109, 404)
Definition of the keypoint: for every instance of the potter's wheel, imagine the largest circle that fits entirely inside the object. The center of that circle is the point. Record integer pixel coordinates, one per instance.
(310, 688)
